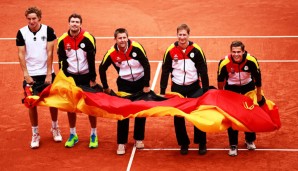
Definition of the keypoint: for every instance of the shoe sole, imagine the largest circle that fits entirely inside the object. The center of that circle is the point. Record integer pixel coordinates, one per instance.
(34, 147)
(183, 153)
(202, 152)
(58, 140)
(92, 147)
(120, 153)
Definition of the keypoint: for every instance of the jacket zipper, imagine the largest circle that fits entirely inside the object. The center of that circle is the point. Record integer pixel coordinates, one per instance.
(184, 68)
(133, 79)
(78, 65)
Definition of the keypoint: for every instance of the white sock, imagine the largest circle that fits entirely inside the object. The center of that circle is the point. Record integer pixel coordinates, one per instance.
(35, 130)
(55, 124)
(73, 131)
(93, 131)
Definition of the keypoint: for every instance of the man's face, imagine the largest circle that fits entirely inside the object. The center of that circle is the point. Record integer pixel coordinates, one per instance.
(75, 24)
(121, 40)
(237, 54)
(33, 21)
(182, 37)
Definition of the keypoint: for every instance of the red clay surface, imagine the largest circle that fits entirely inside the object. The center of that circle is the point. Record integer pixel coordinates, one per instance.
(155, 18)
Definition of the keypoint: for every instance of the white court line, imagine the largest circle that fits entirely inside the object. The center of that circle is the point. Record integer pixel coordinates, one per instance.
(194, 37)
(131, 158)
(152, 88)
(156, 75)
(221, 149)
(159, 61)
(205, 37)
(208, 149)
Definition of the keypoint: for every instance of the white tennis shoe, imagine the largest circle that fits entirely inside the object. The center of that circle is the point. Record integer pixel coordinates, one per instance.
(250, 145)
(56, 134)
(139, 144)
(233, 150)
(35, 141)
(121, 149)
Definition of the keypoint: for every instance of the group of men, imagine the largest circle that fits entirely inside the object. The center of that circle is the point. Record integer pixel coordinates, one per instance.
(184, 60)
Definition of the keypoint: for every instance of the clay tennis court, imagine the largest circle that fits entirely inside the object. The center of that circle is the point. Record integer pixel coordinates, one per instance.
(268, 29)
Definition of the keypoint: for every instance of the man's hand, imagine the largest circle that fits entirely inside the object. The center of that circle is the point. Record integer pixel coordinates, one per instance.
(107, 91)
(146, 89)
(29, 80)
(48, 79)
(92, 83)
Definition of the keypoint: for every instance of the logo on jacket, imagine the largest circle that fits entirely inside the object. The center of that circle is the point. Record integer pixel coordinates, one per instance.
(192, 55)
(82, 45)
(245, 68)
(68, 47)
(232, 71)
(175, 58)
(118, 59)
(43, 38)
(134, 54)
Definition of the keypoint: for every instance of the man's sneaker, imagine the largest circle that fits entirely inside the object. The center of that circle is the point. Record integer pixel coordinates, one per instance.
(35, 141)
(202, 149)
(184, 149)
(72, 140)
(121, 149)
(250, 145)
(233, 150)
(93, 141)
(139, 144)
(56, 134)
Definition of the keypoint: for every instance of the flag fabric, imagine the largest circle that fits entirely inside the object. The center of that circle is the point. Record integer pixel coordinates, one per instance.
(214, 111)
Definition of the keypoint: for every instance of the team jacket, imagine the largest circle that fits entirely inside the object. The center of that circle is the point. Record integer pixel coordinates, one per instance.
(239, 74)
(185, 67)
(77, 54)
(131, 66)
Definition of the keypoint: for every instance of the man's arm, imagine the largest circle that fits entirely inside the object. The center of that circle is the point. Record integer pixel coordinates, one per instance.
(165, 72)
(201, 66)
(258, 80)
(104, 65)
(145, 63)
(50, 49)
(21, 54)
(221, 75)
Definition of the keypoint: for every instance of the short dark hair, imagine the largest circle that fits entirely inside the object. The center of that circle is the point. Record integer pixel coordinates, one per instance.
(33, 9)
(237, 43)
(75, 15)
(120, 30)
(183, 27)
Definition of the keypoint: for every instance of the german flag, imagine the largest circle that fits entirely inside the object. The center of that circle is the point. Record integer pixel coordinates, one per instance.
(214, 111)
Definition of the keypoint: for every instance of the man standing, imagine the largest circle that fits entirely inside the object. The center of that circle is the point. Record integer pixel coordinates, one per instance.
(130, 60)
(35, 50)
(76, 53)
(239, 72)
(186, 62)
